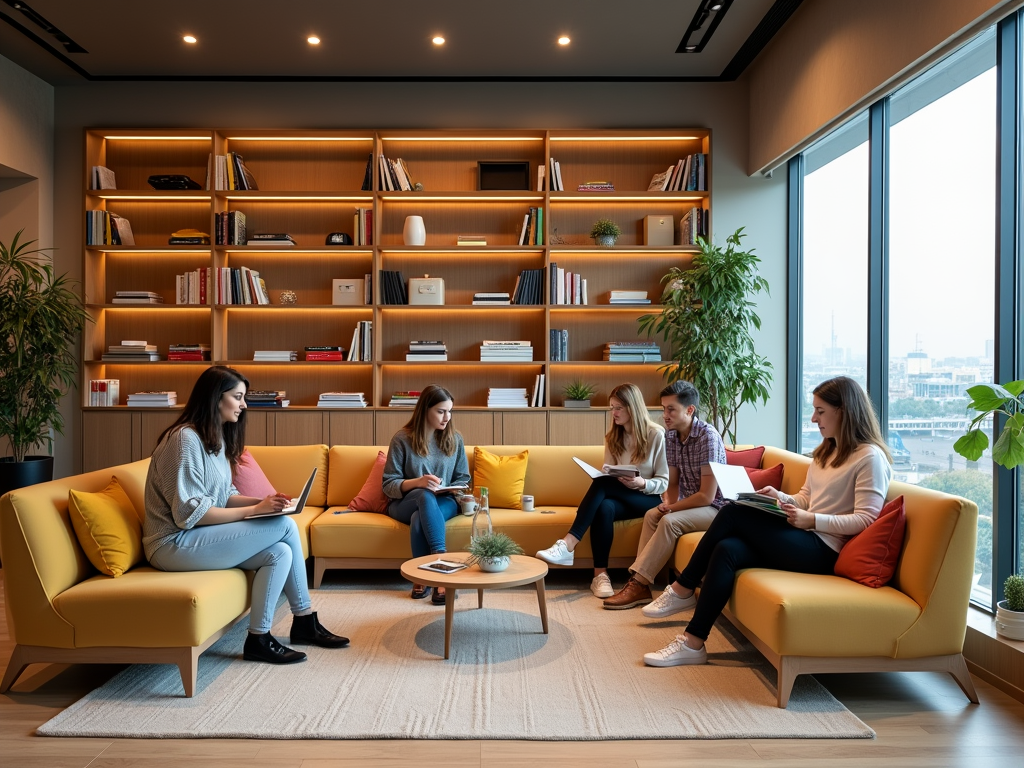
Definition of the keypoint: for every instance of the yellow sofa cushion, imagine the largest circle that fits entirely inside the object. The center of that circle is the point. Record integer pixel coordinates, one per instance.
(503, 476)
(107, 528)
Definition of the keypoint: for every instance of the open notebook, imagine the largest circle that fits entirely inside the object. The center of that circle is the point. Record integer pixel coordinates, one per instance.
(735, 485)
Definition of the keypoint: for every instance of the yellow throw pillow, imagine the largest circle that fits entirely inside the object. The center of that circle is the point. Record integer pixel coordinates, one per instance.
(502, 475)
(107, 528)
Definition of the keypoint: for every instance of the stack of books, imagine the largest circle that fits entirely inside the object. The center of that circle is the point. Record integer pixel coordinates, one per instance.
(404, 399)
(513, 397)
(341, 400)
(229, 172)
(529, 287)
(538, 399)
(102, 228)
(130, 351)
(362, 226)
(566, 287)
(471, 240)
(104, 392)
(506, 352)
(325, 354)
(188, 237)
(266, 398)
(628, 297)
(274, 356)
(596, 186)
(632, 352)
(361, 347)
(273, 239)
(137, 297)
(491, 299)
(194, 352)
(532, 232)
(427, 350)
(558, 341)
(230, 228)
(152, 399)
(392, 287)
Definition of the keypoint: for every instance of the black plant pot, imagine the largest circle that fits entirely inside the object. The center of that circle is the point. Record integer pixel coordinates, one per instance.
(18, 474)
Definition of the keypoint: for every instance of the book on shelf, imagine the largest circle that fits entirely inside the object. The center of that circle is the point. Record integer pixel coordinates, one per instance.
(368, 174)
(529, 289)
(188, 352)
(153, 399)
(432, 351)
(554, 174)
(117, 354)
(507, 397)
(392, 287)
(596, 186)
(275, 355)
(188, 237)
(267, 398)
(693, 224)
(404, 399)
(362, 226)
(137, 297)
(325, 353)
(280, 239)
(532, 232)
(476, 240)
(103, 228)
(229, 172)
(660, 181)
(628, 297)
(540, 178)
(491, 299)
(538, 399)
(361, 348)
(632, 352)
(104, 393)
(230, 228)
(558, 344)
(341, 400)
(506, 351)
(102, 178)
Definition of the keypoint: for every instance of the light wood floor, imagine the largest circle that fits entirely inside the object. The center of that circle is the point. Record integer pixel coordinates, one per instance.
(922, 719)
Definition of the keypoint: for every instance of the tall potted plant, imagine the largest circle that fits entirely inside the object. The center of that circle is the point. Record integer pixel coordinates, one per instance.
(41, 317)
(707, 319)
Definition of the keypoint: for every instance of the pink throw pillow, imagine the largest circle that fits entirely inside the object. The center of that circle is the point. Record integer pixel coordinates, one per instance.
(749, 458)
(249, 478)
(870, 557)
(760, 478)
(371, 496)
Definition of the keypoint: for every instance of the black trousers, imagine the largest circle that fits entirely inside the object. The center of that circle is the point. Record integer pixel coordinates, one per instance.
(608, 500)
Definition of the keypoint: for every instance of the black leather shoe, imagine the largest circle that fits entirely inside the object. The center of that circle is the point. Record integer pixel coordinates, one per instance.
(266, 648)
(307, 630)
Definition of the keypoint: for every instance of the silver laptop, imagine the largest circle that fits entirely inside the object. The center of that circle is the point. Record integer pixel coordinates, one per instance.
(297, 505)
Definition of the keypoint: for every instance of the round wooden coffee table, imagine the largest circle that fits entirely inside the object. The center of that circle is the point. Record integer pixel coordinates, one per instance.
(522, 570)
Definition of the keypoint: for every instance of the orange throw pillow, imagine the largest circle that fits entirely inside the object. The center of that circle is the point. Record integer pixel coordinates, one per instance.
(750, 458)
(371, 496)
(870, 557)
(760, 478)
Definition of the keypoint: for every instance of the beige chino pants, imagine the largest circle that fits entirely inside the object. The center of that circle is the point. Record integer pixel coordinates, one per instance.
(660, 533)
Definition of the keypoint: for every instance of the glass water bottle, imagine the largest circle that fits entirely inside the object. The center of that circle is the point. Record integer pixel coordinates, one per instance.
(482, 517)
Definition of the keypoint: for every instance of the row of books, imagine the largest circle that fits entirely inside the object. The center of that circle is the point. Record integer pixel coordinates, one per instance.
(229, 172)
(392, 287)
(267, 398)
(532, 232)
(229, 228)
(506, 352)
(507, 397)
(361, 348)
(427, 351)
(104, 392)
(554, 177)
(341, 400)
(693, 224)
(103, 228)
(131, 351)
(687, 175)
(529, 287)
(137, 297)
(362, 227)
(566, 287)
(628, 297)
(221, 285)
(394, 175)
(632, 352)
(558, 345)
(539, 399)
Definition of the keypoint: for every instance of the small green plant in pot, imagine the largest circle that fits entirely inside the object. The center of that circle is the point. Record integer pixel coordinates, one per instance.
(578, 393)
(605, 232)
(493, 551)
(1010, 612)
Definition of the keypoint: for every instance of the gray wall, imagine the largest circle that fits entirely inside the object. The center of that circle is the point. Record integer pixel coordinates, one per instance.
(738, 200)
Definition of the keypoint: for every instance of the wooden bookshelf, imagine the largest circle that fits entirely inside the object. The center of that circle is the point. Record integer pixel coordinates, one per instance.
(309, 186)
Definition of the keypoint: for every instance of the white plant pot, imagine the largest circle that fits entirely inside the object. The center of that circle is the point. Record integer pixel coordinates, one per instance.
(414, 233)
(494, 564)
(1009, 623)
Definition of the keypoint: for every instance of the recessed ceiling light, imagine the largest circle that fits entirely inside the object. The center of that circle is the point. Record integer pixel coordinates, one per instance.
(691, 48)
(716, 7)
(189, 39)
(564, 40)
(313, 40)
(438, 40)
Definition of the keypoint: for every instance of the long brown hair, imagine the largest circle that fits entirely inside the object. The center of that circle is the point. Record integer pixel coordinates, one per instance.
(202, 413)
(445, 438)
(857, 421)
(631, 397)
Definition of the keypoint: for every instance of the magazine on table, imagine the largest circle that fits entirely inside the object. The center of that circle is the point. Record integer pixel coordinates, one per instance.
(608, 470)
(735, 485)
(443, 566)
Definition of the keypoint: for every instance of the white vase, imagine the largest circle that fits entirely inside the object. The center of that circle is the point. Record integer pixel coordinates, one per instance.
(414, 232)
(1008, 623)
(494, 564)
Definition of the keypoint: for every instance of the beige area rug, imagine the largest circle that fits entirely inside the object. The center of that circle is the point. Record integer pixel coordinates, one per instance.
(506, 680)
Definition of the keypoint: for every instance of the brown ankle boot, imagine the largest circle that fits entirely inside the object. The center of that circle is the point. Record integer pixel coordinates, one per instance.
(630, 596)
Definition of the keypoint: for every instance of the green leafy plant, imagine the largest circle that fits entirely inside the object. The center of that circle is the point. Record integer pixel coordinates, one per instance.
(41, 317)
(492, 546)
(988, 400)
(707, 319)
(577, 389)
(1013, 589)
(604, 228)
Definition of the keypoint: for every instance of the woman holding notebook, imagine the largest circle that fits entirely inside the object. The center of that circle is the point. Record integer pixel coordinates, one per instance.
(196, 519)
(426, 456)
(842, 495)
(635, 440)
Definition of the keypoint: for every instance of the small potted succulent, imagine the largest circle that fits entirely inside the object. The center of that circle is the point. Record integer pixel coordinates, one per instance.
(578, 393)
(605, 232)
(1010, 612)
(493, 551)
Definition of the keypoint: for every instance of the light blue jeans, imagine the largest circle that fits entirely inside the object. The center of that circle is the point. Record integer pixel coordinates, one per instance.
(425, 513)
(271, 547)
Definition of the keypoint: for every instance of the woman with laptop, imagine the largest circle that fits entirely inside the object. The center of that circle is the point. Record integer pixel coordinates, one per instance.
(633, 440)
(844, 491)
(426, 459)
(197, 521)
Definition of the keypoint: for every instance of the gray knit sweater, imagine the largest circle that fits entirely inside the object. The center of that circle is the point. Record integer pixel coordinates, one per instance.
(405, 464)
(184, 481)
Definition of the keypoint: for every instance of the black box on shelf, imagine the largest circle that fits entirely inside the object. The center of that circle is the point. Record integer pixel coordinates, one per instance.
(503, 174)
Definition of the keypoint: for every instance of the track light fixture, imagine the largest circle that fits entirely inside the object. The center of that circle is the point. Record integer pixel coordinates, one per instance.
(32, 15)
(706, 19)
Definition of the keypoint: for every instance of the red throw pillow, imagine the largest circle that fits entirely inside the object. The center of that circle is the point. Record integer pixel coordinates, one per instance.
(371, 496)
(759, 478)
(749, 458)
(249, 478)
(870, 557)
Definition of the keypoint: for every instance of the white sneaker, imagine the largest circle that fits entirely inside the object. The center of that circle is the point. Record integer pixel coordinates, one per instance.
(601, 586)
(676, 654)
(556, 554)
(667, 604)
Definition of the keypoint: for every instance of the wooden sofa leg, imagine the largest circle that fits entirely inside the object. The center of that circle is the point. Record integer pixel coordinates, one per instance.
(787, 674)
(318, 571)
(188, 668)
(958, 669)
(19, 661)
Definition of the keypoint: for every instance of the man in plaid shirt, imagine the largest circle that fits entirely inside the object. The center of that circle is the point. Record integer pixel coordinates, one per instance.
(689, 445)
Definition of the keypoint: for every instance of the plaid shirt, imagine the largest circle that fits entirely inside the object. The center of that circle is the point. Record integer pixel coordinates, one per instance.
(703, 446)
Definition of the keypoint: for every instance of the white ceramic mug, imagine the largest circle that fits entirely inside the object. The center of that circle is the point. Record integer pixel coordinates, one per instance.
(467, 504)
(527, 502)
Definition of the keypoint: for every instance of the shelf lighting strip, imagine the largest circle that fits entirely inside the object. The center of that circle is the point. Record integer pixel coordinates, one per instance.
(204, 198)
(288, 198)
(434, 198)
(599, 197)
(158, 138)
(322, 251)
(462, 138)
(300, 138)
(625, 138)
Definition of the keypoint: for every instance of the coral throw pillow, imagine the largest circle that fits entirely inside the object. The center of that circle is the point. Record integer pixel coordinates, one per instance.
(870, 557)
(371, 496)
(760, 478)
(503, 476)
(107, 527)
(249, 478)
(750, 458)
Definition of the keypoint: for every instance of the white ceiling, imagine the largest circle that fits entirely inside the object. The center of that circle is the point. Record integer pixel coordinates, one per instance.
(388, 38)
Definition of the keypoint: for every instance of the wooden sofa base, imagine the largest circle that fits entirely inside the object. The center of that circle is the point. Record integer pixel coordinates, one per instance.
(185, 658)
(789, 667)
